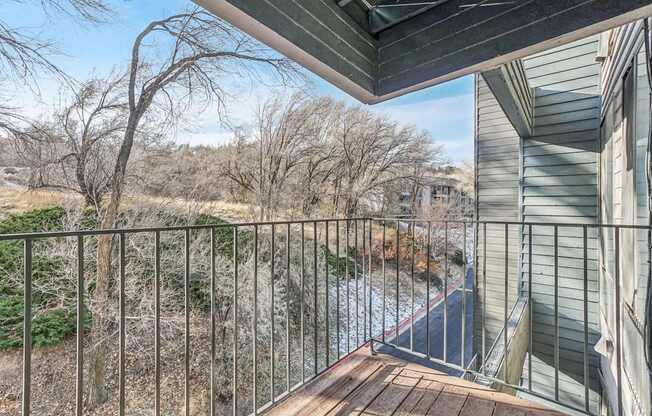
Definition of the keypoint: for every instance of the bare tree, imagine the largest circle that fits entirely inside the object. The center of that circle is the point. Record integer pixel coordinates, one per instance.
(306, 150)
(289, 145)
(23, 56)
(286, 132)
(71, 151)
(373, 152)
(191, 53)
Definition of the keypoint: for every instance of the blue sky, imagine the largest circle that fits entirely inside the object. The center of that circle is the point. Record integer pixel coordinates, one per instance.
(446, 110)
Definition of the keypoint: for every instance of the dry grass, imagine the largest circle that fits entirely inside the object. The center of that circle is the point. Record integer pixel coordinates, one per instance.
(15, 200)
(19, 199)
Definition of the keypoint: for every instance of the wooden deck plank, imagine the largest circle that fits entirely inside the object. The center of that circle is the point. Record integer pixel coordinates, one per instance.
(338, 391)
(413, 399)
(503, 409)
(450, 401)
(428, 399)
(304, 396)
(365, 384)
(357, 402)
(393, 394)
(476, 406)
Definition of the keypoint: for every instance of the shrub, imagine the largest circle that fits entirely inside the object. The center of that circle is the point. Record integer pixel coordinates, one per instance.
(53, 322)
(338, 265)
(458, 258)
(49, 327)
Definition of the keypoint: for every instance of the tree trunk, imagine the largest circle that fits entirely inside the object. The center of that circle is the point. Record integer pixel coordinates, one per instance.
(98, 393)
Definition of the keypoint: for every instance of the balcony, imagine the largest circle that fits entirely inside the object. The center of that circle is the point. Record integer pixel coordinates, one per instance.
(327, 316)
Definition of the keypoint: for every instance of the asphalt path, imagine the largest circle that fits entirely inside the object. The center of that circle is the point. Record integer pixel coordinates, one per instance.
(455, 308)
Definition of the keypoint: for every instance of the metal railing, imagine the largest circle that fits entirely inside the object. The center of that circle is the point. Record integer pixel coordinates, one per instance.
(365, 319)
(309, 251)
(520, 272)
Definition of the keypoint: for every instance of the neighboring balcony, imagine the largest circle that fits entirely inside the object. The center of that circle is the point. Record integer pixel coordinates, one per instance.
(310, 301)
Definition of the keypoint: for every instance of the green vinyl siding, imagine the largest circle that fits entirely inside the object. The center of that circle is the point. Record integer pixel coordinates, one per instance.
(560, 185)
(497, 161)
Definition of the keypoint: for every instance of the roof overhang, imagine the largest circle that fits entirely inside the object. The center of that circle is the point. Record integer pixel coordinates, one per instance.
(375, 52)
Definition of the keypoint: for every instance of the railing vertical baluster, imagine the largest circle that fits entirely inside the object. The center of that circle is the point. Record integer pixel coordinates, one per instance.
(357, 289)
(484, 298)
(586, 318)
(235, 321)
(213, 312)
(398, 242)
(314, 329)
(371, 343)
(186, 297)
(27, 329)
(619, 357)
(348, 291)
(445, 291)
(505, 319)
(303, 303)
(157, 323)
(412, 287)
(364, 280)
(287, 310)
(428, 277)
(530, 307)
(384, 282)
(462, 360)
(254, 324)
(272, 361)
(79, 384)
(122, 331)
(556, 291)
(327, 294)
(337, 286)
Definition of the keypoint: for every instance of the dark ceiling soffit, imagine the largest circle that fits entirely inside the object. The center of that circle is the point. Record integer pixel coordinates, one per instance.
(264, 34)
(538, 33)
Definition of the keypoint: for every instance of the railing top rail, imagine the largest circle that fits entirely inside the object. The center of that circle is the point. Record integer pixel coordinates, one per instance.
(543, 224)
(139, 230)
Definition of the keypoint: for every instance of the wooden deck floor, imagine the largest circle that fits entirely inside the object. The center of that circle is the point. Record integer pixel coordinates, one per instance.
(383, 385)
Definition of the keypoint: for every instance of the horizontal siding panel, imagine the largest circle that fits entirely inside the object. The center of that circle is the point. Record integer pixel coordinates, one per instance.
(560, 191)
(575, 126)
(568, 116)
(559, 159)
(569, 211)
(557, 65)
(567, 91)
(582, 169)
(589, 201)
(545, 149)
(582, 103)
(552, 81)
(561, 48)
(560, 180)
(569, 52)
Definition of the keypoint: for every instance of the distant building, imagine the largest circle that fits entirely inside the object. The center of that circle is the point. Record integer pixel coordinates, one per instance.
(443, 188)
